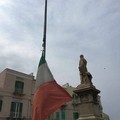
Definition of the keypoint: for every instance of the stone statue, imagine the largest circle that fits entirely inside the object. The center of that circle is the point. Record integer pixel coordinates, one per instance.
(82, 65)
(85, 76)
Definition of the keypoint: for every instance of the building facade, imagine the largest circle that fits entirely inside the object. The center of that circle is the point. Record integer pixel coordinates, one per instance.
(16, 92)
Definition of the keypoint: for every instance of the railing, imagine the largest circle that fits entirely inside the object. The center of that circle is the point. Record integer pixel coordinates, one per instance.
(18, 93)
(9, 118)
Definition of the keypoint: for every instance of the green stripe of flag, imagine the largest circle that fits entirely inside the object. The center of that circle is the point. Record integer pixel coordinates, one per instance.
(42, 60)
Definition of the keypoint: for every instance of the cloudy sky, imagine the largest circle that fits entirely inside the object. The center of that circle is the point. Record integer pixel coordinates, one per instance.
(89, 27)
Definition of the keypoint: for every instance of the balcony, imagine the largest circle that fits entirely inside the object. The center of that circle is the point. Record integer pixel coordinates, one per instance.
(18, 93)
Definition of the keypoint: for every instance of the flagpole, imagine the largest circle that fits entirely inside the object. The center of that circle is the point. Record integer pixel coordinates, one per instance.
(45, 29)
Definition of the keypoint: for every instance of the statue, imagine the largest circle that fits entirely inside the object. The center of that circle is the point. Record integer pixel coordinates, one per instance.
(82, 65)
(85, 76)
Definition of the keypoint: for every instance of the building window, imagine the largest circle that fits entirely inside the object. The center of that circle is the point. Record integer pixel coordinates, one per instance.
(63, 114)
(57, 116)
(75, 115)
(19, 87)
(1, 105)
(75, 99)
(16, 109)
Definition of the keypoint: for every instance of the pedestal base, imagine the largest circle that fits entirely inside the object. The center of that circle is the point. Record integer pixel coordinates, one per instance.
(89, 105)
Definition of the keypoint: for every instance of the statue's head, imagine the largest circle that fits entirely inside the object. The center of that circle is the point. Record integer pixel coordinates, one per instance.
(81, 56)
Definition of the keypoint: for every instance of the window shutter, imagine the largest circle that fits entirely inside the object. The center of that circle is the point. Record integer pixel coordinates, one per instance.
(19, 86)
(12, 110)
(57, 116)
(22, 86)
(13, 107)
(1, 104)
(75, 115)
(63, 115)
(20, 112)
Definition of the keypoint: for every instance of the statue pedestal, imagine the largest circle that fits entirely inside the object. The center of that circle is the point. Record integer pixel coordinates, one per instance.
(89, 105)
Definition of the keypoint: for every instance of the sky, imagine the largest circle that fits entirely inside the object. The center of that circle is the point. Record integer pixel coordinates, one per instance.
(74, 27)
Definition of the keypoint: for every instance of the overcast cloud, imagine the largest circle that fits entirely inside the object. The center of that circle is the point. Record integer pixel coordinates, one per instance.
(89, 27)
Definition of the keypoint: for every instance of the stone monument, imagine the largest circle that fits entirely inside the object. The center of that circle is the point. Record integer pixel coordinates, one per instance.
(89, 103)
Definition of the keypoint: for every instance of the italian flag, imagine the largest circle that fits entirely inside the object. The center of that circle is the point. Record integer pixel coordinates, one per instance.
(49, 96)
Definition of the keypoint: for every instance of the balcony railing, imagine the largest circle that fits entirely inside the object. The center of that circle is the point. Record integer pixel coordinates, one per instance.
(18, 93)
